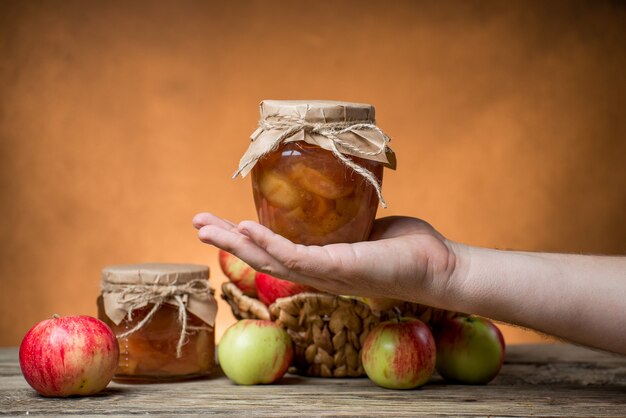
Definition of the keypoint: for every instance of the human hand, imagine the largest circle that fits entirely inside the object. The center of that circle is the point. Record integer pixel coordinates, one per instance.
(405, 258)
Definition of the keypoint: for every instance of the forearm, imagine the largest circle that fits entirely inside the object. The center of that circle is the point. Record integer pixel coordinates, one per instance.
(575, 297)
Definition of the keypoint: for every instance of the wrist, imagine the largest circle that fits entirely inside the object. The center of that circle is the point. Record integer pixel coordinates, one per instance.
(450, 294)
(486, 281)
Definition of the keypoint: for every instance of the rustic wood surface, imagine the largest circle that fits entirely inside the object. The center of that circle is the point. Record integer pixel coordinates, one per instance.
(536, 380)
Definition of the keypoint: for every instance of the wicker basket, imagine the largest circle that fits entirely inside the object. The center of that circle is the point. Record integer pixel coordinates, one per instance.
(327, 331)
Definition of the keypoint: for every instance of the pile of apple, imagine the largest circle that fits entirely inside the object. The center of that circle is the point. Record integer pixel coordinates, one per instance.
(398, 354)
(78, 355)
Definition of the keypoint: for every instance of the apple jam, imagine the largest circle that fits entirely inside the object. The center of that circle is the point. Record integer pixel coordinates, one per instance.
(163, 316)
(317, 169)
(150, 352)
(306, 194)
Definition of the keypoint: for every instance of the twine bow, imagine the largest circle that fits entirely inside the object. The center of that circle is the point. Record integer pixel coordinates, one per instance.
(331, 130)
(134, 296)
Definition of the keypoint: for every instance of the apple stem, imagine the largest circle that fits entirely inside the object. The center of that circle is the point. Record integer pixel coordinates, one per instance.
(56, 316)
(398, 313)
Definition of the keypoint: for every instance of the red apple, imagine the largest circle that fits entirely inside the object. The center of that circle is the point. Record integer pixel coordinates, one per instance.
(469, 349)
(254, 351)
(72, 355)
(399, 354)
(238, 272)
(270, 288)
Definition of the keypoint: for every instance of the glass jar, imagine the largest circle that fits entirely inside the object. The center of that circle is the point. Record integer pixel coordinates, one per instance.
(142, 304)
(317, 169)
(307, 195)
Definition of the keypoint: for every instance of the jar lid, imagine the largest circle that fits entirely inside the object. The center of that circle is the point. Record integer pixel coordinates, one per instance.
(318, 111)
(343, 128)
(125, 288)
(151, 273)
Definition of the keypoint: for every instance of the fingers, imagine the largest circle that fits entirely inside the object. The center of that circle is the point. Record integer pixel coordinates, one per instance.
(239, 245)
(272, 253)
(204, 219)
(366, 268)
(343, 269)
(312, 260)
(242, 247)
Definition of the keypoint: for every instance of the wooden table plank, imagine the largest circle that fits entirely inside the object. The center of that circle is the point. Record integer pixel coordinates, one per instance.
(550, 380)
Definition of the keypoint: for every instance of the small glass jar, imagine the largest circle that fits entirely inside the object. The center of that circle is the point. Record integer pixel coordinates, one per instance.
(153, 345)
(307, 195)
(317, 169)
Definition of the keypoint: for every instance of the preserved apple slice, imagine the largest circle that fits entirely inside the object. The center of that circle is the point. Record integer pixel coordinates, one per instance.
(126, 364)
(348, 206)
(316, 182)
(196, 356)
(204, 350)
(289, 224)
(143, 357)
(332, 222)
(345, 210)
(279, 191)
(317, 207)
(307, 195)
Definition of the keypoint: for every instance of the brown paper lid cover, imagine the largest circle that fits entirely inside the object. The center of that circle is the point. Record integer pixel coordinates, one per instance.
(368, 141)
(202, 305)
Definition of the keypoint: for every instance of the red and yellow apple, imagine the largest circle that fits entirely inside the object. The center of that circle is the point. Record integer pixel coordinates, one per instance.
(270, 288)
(72, 355)
(238, 272)
(254, 351)
(469, 349)
(399, 354)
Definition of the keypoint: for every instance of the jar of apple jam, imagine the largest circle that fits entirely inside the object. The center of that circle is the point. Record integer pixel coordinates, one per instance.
(163, 316)
(317, 169)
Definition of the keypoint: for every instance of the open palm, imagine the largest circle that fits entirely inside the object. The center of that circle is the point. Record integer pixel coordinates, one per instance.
(404, 258)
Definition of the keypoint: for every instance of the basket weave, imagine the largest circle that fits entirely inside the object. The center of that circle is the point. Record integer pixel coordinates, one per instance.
(327, 331)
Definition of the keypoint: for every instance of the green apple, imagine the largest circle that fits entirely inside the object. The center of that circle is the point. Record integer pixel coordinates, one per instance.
(399, 354)
(254, 351)
(469, 349)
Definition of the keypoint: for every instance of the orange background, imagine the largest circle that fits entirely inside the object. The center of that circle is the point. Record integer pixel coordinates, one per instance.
(120, 120)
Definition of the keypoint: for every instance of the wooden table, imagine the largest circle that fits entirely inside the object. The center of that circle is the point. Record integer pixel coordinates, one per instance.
(552, 380)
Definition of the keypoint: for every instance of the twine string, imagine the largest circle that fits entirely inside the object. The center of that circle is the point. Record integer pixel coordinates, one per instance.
(290, 125)
(134, 296)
